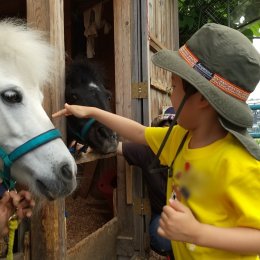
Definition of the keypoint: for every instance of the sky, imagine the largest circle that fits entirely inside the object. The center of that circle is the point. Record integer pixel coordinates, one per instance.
(256, 93)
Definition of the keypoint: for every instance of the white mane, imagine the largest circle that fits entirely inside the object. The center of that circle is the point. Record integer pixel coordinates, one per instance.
(24, 52)
(26, 64)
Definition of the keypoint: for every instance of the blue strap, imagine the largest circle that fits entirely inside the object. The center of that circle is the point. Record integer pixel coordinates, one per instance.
(34, 143)
(30, 145)
(8, 182)
(5, 158)
(86, 128)
(84, 131)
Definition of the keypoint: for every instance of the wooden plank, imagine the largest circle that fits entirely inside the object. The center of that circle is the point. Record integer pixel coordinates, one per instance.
(145, 59)
(160, 79)
(175, 23)
(129, 184)
(90, 156)
(122, 43)
(99, 245)
(155, 44)
(48, 226)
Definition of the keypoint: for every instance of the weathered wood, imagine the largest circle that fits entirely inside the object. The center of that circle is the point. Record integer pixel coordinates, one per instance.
(155, 44)
(90, 156)
(175, 25)
(48, 226)
(163, 34)
(140, 111)
(99, 245)
(122, 43)
(129, 184)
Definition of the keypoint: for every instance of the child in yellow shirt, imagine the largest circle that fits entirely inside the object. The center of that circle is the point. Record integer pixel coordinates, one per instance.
(213, 185)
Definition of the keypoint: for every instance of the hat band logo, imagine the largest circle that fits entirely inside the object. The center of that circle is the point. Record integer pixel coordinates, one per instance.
(212, 77)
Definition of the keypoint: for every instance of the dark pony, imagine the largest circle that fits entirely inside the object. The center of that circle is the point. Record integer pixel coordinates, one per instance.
(84, 86)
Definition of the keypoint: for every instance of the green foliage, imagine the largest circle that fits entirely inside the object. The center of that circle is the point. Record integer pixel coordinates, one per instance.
(194, 14)
(251, 30)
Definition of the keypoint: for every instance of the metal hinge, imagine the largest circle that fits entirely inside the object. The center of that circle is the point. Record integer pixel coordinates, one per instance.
(142, 206)
(140, 90)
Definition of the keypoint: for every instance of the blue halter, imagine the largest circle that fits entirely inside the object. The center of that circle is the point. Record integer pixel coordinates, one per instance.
(23, 149)
(86, 128)
(82, 136)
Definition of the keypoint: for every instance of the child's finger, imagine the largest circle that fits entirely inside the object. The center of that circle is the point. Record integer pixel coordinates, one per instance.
(27, 201)
(24, 212)
(5, 198)
(161, 232)
(15, 198)
(177, 205)
(25, 195)
(62, 112)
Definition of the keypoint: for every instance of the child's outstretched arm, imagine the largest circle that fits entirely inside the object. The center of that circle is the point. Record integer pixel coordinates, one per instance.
(123, 126)
(178, 223)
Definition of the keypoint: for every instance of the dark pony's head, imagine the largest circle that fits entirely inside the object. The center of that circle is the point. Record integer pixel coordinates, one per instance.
(84, 86)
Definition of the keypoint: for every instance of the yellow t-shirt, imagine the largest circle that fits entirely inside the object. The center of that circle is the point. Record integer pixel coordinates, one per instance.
(220, 183)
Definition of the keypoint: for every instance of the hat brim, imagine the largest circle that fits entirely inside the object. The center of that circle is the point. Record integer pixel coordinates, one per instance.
(243, 137)
(235, 111)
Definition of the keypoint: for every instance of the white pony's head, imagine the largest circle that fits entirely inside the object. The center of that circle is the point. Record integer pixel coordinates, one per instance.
(25, 66)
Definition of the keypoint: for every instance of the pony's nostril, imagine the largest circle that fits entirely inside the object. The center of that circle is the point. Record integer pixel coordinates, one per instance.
(66, 172)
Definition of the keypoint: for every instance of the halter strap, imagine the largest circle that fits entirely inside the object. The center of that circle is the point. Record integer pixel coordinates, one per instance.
(84, 131)
(81, 137)
(23, 149)
(86, 128)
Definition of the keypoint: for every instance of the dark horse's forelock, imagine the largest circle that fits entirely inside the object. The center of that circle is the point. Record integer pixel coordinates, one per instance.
(84, 86)
(84, 71)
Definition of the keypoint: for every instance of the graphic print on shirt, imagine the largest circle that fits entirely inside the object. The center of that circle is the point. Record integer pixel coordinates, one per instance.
(187, 182)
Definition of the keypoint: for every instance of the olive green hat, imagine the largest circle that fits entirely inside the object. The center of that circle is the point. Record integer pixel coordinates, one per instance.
(223, 65)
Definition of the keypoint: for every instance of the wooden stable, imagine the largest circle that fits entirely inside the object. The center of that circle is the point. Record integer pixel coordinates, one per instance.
(138, 28)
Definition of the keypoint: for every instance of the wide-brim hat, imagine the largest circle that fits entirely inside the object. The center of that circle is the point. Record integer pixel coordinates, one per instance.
(223, 65)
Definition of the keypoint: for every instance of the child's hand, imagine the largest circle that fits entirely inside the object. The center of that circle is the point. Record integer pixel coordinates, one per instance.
(24, 204)
(78, 111)
(11, 203)
(178, 223)
(6, 211)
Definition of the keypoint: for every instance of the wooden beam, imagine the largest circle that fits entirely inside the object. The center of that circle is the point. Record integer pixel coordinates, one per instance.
(48, 238)
(155, 45)
(91, 156)
(122, 43)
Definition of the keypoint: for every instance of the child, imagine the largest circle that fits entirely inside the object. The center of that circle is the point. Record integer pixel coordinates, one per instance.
(215, 177)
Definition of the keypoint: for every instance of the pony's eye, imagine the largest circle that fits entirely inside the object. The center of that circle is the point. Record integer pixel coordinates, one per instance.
(11, 96)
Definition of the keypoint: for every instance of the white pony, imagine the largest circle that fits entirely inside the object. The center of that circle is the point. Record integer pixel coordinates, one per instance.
(32, 153)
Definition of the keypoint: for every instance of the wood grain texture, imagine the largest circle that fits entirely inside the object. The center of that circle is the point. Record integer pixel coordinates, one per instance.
(48, 226)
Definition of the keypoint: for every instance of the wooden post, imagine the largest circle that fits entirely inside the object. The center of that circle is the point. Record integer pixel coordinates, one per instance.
(122, 41)
(48, 238)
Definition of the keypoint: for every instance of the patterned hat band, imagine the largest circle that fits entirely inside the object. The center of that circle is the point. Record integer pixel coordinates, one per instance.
(212, 77)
